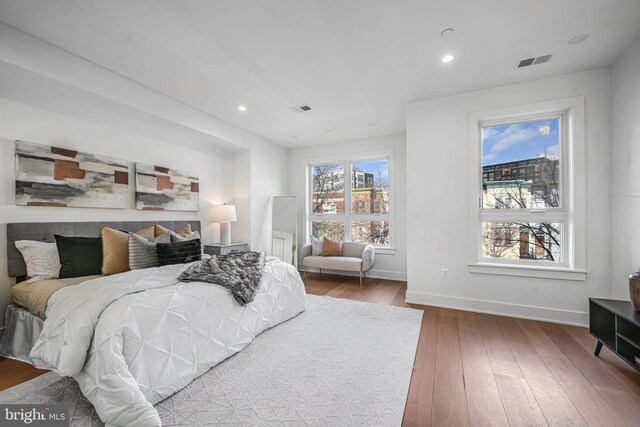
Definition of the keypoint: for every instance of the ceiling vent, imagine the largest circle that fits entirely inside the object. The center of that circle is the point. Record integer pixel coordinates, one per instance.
(522, 63)
(300, 108)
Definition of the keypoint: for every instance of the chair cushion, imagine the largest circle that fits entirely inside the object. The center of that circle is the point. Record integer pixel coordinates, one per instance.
(331, 247)
(316, 245)
(333, 262)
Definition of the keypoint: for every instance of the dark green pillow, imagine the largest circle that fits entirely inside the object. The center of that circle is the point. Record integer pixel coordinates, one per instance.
(179, 252)
(79, 256)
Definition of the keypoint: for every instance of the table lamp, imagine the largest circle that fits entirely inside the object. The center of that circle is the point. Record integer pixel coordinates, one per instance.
(225, 214)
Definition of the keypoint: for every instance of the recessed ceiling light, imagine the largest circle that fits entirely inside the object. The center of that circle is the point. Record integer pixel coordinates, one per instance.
(372, 124)
(242, 108)
(446, 33)
(328, 131)
(578, 39)
(294, 137)
(447, 58)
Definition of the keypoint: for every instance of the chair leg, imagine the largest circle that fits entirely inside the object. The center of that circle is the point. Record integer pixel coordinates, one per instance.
(320, 270)
(304, 274)
(360, 279)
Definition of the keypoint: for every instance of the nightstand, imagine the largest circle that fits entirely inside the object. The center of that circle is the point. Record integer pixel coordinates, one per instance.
(225, 249)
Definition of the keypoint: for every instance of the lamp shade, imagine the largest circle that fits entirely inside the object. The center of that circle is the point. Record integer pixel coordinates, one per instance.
(224, 213)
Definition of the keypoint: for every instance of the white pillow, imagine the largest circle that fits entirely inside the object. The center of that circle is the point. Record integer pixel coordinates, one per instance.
(41, 258)
(317, 245)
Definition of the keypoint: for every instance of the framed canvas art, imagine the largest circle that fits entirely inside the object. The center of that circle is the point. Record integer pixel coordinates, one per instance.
(161, 188)
(53, 176)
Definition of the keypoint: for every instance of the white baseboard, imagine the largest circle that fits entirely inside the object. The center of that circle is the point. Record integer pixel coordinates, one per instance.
(565, 317)
(374, 274)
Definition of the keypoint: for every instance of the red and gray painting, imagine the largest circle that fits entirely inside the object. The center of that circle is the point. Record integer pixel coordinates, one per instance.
(161, 188)
(53, 176)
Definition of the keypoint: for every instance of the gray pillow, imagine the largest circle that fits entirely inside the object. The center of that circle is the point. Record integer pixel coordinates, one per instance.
(317, 246)
(142, 253)
(177, 238)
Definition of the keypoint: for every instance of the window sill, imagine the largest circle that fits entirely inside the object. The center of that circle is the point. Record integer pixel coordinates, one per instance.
(529, 271)
(385, 251)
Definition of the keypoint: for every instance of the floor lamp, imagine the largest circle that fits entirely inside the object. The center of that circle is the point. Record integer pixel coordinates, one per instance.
(225, 214)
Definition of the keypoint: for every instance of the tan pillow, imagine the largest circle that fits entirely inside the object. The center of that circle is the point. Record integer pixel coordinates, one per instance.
(331, 247)
(115, 249)
(147, 232)
(183, 231)
(159, 230)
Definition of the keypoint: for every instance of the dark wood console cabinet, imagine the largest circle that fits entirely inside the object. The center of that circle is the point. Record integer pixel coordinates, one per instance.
(617, 325)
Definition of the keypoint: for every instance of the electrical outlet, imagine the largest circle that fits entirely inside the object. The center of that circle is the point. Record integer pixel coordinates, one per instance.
(445, 273)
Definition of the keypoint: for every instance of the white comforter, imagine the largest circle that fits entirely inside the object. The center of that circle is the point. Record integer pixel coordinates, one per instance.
(133, 339)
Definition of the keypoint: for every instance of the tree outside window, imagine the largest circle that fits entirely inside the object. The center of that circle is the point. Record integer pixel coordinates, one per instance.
(521, 171)
(367, 197)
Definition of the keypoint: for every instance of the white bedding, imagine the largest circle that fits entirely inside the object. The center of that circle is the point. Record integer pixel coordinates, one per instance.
(133, 339)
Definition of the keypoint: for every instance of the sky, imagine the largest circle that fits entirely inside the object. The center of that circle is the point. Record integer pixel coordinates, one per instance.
(373, 167)
(519, 141)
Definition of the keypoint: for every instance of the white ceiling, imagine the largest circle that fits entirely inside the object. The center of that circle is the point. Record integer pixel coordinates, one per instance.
(355, 62)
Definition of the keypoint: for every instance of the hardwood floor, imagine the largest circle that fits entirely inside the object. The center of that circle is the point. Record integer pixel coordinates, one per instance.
(484, 370)
(13, 372)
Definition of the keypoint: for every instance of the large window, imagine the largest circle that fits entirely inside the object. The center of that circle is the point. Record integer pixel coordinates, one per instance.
(527, 187)
(350, 200)
(523, 215)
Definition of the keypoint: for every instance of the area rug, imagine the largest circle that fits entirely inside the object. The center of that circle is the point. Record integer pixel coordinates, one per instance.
(339, 363)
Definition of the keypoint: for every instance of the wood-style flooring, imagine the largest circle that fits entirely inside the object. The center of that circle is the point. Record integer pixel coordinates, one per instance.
(484, 370)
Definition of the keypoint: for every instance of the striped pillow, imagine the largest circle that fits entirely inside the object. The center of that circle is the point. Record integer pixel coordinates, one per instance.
(179, 252)
(142, 252)
(175, 237)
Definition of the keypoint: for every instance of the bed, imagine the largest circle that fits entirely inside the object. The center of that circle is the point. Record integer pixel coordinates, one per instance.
(133, 339)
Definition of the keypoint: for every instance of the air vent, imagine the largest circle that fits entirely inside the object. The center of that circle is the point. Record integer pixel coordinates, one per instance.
(300, 108)
(522, 63)
(542, 59)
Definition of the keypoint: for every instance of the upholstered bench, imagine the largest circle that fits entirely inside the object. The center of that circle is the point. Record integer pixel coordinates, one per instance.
(356, 256)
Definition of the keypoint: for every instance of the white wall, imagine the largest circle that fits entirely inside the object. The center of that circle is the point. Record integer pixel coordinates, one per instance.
(260, 173)
(625, 184)
(21, 122)
(37, 73)
(386, 265)
(268, 178)
(50, 96)
(438, 203)
(241, 230)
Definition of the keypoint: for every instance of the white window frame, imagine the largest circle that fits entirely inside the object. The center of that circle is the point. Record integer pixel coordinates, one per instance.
(346, 161)
(572, 192)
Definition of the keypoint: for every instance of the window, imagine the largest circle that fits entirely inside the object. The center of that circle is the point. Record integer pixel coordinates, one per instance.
(328, 189)
(517, 147)
(359, 211)
(524, 175)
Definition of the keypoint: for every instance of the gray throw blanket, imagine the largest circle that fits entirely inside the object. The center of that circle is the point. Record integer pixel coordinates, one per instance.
(240, 272)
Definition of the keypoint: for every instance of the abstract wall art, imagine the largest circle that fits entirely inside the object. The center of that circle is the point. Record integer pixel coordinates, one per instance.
(160, 188)
(53, 176)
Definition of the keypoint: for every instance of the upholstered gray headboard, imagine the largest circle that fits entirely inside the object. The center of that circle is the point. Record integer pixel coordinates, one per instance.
(44, 232)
